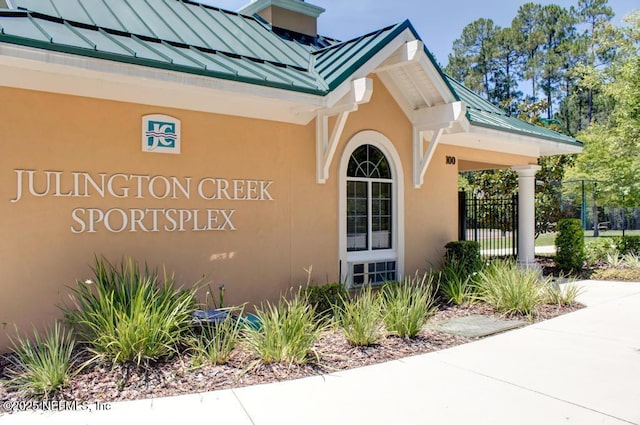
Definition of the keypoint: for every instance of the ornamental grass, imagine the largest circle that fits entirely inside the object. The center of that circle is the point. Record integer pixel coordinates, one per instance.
(128, 315)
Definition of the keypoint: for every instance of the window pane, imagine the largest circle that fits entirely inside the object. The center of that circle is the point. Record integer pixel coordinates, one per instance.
(367, 161)
(358, 163)
(357, 216)
(381, 215)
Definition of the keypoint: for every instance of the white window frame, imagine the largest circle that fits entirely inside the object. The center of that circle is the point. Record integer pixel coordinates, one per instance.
(396, 253)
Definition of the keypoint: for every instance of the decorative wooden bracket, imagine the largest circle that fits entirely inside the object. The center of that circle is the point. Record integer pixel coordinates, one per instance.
(421, 160)
(326, 145)
(434, 120)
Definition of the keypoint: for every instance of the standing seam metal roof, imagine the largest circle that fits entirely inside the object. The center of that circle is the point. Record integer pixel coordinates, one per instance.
(482, 113)
(185, 36)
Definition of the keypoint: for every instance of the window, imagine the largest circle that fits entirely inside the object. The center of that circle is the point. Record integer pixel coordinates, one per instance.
(374, 273)
(371, 224)
(369, 200)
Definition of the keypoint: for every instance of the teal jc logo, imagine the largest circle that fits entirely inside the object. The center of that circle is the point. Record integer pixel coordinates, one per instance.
(160, 134)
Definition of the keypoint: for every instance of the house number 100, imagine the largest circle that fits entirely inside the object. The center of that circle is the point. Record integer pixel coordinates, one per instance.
(450, 160)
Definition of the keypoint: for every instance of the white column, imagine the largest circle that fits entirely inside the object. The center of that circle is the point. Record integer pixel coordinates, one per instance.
(526, 214)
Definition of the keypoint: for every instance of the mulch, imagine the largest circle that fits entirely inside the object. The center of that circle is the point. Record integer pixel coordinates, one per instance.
(102, 382)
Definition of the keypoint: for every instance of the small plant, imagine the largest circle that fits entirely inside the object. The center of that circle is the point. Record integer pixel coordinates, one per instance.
(215, 342)
(631, 260)
(455, 285)
(43, 366)
(361, 318)
(408, 305)
(511, 289)
(465, 255)
(614, 260)
(125, 315)
(287, 333)
(570, 250)
(555, 294)
(325, 298)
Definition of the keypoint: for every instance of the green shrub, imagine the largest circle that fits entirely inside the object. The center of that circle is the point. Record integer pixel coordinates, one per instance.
(455, 285)
(125, 315)
(361, 318)
(215, 342)
(465, 255)
(325, 298)
(408, 305)
(554, 294)
(570, 250)
(43, 366)
(628, 245)
(598, 250)
(510, 289)
(287, 333)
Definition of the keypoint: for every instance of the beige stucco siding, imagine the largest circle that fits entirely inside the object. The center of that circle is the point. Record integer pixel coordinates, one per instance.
(274, 240)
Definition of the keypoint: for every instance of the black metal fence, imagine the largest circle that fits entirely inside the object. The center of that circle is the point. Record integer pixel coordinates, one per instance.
(492, 222)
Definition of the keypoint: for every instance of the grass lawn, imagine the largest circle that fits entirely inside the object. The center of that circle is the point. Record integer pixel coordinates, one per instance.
(548, 239)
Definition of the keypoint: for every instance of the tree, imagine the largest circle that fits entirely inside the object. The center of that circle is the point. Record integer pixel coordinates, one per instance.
(596, 14)
(508, 69)
(528, 37)
(612, 148)
(472, 60)
(557, 25)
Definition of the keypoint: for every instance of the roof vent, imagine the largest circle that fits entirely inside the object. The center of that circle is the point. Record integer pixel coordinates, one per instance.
(290, 15)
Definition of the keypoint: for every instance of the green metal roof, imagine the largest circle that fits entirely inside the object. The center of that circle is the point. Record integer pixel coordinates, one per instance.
(52, 33)
(185, 36)
(483, 113)
(180, 22)
(336, 63)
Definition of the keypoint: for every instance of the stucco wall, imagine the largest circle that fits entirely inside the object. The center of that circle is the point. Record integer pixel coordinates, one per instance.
(274, 239)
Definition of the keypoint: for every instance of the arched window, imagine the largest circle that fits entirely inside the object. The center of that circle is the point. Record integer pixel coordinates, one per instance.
(371, 254)
(371, 210)
(369, 200)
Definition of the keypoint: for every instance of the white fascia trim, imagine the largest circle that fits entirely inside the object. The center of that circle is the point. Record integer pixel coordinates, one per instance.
(370, 66)
(380, 141)
(545, 147)
(293, 5)
(10, 4)
(37, 69)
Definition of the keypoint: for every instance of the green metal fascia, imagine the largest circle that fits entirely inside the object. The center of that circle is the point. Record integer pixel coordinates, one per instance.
(153, 64)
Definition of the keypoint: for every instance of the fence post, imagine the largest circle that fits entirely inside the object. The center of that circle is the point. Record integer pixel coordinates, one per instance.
(462, 216)
(475, 217)
(514, 220)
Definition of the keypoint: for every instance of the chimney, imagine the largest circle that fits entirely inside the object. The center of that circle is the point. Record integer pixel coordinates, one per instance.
(289, 15)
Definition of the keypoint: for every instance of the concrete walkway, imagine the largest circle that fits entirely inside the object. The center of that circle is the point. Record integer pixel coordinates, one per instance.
(581, 368)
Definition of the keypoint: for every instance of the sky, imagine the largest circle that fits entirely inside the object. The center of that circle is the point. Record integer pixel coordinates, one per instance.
(439, 23)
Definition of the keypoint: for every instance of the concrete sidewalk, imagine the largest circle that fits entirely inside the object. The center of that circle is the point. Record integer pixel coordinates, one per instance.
(581, 368)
